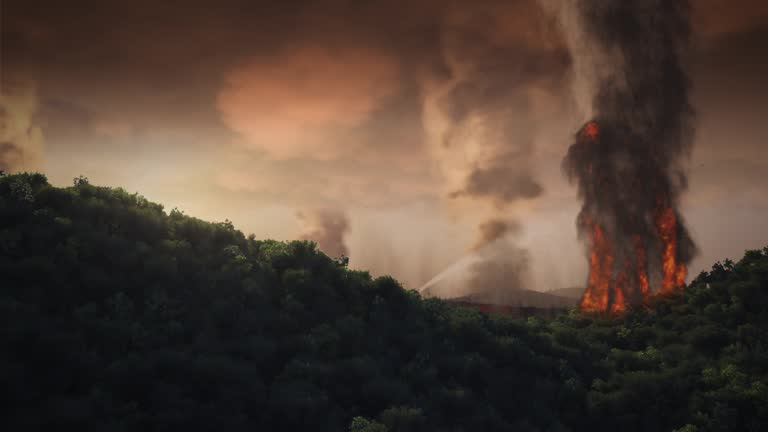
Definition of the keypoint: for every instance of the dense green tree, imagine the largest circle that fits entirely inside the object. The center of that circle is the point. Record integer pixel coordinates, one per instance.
(118, 315)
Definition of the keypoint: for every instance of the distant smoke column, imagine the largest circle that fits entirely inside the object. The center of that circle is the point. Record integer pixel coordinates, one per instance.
(480, 123)
(626, 162)
(327, 228)
(21, 139)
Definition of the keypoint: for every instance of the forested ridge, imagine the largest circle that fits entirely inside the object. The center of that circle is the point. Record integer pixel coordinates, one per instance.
(118, 315)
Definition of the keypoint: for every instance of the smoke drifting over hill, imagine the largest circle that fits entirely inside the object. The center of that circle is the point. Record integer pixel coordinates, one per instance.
(493, 230)
(21, 138)
(326, 227)
(503, 267)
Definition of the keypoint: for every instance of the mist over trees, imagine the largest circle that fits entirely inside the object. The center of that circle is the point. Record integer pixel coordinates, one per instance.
(120, 315)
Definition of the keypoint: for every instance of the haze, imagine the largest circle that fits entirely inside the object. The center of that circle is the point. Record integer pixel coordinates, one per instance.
(399, 127)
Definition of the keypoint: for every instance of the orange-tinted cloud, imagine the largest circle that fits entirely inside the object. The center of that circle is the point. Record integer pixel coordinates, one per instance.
(301, 103)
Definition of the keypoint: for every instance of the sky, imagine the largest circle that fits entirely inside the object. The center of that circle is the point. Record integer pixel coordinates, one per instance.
(392, 131)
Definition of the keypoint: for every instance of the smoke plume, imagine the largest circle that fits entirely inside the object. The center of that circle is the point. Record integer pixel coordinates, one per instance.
(502, 268)
(499, 183)
(483, 144)
(480, 114)
(494, 271)
(326, 227)
(627, 160)
(21, 140)
(493, 230)
(500, 273)
(481, 124)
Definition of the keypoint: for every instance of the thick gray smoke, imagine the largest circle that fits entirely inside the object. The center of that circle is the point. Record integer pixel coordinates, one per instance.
(327, 228)
(500, 183)
(490, 126)
(627, 161)
(480, 112)
(493, 230)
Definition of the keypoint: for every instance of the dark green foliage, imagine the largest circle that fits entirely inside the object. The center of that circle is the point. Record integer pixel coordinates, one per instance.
(119, 316)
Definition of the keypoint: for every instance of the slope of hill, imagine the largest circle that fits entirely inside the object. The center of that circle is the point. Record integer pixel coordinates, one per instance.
(570, 292)
(517, 298)
(464, 282)
(120, 316)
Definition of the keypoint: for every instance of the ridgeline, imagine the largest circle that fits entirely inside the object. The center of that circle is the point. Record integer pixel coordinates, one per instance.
(119, 316)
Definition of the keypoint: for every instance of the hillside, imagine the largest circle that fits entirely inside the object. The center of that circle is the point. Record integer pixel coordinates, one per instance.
(573, 293)
(118, 315)
(517, 298)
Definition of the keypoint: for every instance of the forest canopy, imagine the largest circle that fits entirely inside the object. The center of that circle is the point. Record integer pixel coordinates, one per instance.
(120, 315)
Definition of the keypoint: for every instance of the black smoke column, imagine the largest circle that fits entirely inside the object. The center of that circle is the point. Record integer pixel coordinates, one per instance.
(626, 162)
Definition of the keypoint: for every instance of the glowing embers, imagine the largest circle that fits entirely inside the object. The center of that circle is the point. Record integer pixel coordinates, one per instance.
(590, 131)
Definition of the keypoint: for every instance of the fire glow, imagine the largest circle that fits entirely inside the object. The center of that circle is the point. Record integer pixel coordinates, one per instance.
(629, 162)
(620, 266)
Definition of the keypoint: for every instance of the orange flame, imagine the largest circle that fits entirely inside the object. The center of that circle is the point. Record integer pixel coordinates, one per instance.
(619, 304)
(642, 267)
(674, 271)
(611, 290)
(598, 295)
(591, 131)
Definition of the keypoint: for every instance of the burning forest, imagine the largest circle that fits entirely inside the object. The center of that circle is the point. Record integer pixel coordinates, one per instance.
(627, 161)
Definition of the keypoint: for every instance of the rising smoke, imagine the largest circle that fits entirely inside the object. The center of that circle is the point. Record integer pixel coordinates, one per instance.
(627, 161)
(482, 128)
(326, 227)
(481, 114)
(493, 230)
(500, 183)
(494, 271)
(503, 267)
(21, 139)
(482, 133)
